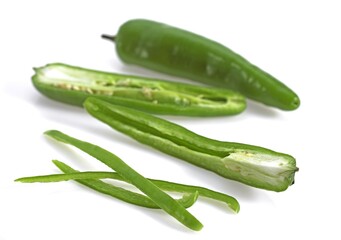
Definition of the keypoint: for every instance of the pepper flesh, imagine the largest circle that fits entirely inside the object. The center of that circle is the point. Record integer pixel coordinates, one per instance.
(181, 53)
(73, 85)
(255, 166)
(162, 199)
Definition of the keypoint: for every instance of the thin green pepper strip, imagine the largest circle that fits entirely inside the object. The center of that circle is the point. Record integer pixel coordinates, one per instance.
(252, 165)
(163, 200)
(73, 85)
(90, 177)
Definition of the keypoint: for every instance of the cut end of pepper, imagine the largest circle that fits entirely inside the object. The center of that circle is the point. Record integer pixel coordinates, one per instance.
(57, 135)
(196, 227)
(267, 170)
(234, 205)
(51, 132)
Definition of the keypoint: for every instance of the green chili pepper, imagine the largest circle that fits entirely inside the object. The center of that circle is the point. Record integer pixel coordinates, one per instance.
(73, 85)
(160, 198)
(252, 165)
(90, 179)
(177, 52)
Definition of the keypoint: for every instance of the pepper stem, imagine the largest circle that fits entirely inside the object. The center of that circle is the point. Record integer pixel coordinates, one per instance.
(109, 37)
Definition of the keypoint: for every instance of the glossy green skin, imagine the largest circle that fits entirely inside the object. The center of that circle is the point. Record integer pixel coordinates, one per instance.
(180, 53)
(91, 180)
(73, 85)
(255, 166)
(162, 199)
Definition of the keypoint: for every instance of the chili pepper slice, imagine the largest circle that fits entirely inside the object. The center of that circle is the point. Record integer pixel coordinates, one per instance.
(70, 84)
(255, 166)
(162, 199)
(181, 53)
(91, 179)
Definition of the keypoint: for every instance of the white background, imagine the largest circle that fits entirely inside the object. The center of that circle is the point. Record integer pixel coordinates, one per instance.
(296, 41)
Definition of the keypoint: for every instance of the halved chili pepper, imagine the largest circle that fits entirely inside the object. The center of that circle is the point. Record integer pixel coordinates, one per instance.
(252, 165)
(181, 53)
(73, 85)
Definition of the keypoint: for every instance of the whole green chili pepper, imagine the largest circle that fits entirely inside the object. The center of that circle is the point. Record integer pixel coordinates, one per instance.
(162, 199)
(73, 85)
(252, 165)
(181, 53)
(90, 179)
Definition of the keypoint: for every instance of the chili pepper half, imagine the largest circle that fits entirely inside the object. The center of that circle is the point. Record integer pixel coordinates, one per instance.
(73, 85)
(181, 53)
(255, 166)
